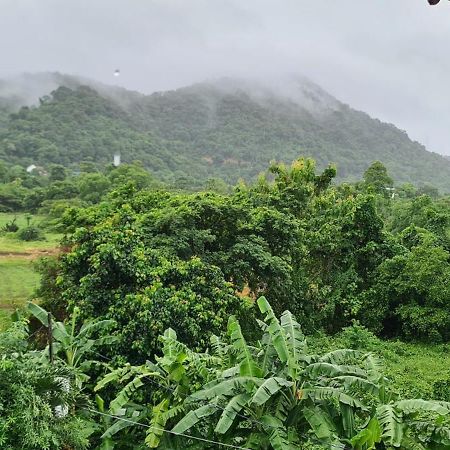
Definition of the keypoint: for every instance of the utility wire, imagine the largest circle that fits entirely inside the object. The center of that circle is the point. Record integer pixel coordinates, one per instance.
(256, 422)
(169, 431)
(206, 402)
(35, 332)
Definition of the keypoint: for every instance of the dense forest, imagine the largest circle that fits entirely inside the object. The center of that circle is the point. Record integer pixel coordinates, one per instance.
(227, 129)
(252, 316)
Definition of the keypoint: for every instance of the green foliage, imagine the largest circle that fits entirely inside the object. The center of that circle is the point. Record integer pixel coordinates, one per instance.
(441, 390)
(358, 337)
(11, 227)
(376, 179)
(93, 186)
(140, 261)
(30, 233)
(134, 174)
(12, 196)
(112, 274)
(143, 257)
(411, 293)
(322, 251)
(30, 391)
(75, 345)
(274, 395)
(213, 130)
(412, 368)
(166, 384)
(57, 172)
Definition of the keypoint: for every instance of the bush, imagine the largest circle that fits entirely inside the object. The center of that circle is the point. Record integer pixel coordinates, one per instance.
(441, 390)
(30, 233)
(11, 227)
(190, 296)
(29, 391)
(358, 337)
(428, 323)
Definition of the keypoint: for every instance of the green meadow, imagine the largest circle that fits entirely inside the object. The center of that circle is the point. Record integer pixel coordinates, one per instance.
(18, 279)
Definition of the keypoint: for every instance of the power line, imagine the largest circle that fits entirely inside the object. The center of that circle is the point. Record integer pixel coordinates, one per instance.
(206, 402)
(168, 431)
(36, 332)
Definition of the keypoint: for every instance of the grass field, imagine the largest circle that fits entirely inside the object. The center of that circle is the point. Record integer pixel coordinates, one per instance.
(21, 219)
(18, 280)
(10, 244)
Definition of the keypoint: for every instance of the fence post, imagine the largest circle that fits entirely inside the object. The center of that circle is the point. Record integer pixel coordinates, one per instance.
(50, 337)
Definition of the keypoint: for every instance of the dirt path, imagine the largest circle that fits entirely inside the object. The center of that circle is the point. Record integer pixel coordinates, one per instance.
(31, 254)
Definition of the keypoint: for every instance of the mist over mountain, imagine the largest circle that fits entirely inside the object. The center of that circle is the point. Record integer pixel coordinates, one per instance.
(225, 128)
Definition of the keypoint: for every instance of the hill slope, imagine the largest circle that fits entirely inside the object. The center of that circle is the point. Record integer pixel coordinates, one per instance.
(226, 128)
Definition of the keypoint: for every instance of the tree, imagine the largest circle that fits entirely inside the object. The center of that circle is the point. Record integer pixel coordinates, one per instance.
(410, 294)
(57, 173)
(12, 196)
(111, 273)
(377, 179)
(296, 239)
(93, 186)
(61, 190)
(131, 173)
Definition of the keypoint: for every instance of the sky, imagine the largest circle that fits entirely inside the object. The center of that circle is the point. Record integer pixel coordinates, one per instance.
(389, 58)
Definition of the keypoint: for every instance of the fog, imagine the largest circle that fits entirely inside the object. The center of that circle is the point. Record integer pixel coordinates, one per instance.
(386, 57)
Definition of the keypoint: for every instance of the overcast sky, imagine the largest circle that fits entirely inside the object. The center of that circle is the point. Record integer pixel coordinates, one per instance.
(390, 58)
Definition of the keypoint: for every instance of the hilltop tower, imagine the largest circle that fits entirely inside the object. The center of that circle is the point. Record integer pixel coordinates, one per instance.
(116, 161)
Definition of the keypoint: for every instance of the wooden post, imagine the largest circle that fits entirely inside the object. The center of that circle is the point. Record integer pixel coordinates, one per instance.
(50, 338)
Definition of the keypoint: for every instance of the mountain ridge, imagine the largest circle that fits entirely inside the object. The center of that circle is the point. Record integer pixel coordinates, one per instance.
(225, 128)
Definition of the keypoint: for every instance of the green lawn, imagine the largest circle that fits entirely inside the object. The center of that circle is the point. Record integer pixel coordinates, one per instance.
(10, 244)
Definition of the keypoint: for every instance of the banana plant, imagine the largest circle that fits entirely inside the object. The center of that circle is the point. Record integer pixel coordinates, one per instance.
(276, 395)
(280, 393)
(272, 395)
(75, 346)
(169, 381)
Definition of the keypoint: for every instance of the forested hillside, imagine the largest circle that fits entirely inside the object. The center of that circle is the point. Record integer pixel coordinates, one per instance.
(225, 129)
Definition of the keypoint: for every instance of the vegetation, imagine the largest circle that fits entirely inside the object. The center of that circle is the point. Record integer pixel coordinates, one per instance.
(291, 312)
(321, 251)
(227, 130)
(35, 398)
(18, 280)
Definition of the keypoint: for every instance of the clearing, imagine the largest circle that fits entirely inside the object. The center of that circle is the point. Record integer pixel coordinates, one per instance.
(18, 279)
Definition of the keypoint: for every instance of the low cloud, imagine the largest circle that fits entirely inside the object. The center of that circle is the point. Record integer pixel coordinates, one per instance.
(384, 57)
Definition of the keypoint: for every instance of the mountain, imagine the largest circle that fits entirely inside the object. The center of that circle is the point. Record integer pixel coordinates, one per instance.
(224, 128)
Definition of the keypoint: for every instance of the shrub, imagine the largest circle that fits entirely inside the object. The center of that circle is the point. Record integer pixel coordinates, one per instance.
(441, 390)
(30, 388)
(358, 337)
(30, 233)
(11, 227)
